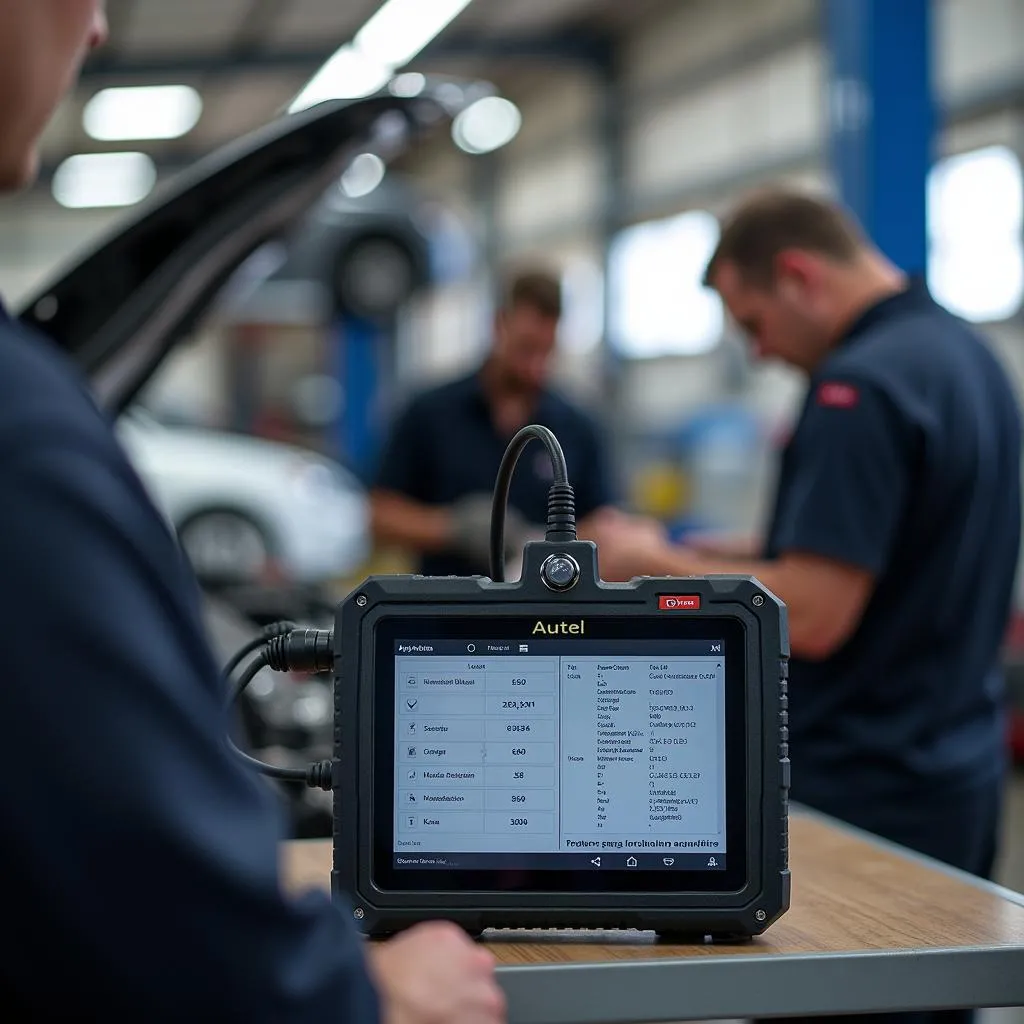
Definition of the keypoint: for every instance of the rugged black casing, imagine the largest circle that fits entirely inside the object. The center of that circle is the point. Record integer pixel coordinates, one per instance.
(724, 915)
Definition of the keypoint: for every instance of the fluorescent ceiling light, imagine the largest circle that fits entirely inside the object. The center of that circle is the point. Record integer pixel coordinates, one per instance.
(364, 174)
(401, 28)
(142, 112)
(348, 75)
(487, 125)
(93, 180)
(390, 39)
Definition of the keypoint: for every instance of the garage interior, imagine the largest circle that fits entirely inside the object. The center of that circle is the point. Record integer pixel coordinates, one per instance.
(624, 131)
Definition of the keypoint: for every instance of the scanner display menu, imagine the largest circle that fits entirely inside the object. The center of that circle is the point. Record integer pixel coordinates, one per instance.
(560, 754)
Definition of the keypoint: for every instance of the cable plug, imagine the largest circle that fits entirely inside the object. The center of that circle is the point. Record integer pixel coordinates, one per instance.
(302, 650)
(561, 514)
(320, 775)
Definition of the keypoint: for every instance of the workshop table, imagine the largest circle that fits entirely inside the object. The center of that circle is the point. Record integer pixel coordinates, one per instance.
(872, 927)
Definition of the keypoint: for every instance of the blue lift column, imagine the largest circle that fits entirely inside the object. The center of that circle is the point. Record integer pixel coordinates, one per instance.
(882, 119)
(360, 346)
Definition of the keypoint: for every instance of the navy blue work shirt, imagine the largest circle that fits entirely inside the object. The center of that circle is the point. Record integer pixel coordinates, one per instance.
(906, 463)
(138, 858)
(445, 446)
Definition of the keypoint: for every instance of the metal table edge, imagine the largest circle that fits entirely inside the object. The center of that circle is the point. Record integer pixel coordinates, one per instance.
(767, 985)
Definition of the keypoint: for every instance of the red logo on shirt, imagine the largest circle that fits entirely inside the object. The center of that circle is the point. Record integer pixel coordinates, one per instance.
(834, 395)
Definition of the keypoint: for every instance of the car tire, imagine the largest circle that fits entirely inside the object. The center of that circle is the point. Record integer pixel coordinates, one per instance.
(225, 546)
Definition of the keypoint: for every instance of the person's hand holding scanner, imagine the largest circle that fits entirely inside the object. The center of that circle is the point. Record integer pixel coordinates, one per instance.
(435, 974)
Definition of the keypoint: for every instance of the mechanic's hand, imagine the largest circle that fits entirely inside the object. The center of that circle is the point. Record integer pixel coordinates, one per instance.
(435, 974)
(471, 529)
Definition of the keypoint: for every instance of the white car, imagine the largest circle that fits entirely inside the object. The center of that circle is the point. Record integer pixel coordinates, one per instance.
(249, 510)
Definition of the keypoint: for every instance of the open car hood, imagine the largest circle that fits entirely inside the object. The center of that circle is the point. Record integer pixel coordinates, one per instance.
(120, 308)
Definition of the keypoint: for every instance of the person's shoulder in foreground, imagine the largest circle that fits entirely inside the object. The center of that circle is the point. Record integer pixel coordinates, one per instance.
(136, 849)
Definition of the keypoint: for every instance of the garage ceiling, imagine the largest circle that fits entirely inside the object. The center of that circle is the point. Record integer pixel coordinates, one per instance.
(250, 58)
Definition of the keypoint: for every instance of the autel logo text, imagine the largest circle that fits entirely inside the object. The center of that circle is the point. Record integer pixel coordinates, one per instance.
(560, 628)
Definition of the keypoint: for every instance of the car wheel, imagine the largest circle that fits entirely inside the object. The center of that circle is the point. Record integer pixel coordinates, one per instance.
(225, 546)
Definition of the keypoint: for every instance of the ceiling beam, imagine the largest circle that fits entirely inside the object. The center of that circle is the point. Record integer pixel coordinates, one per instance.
(567, 48)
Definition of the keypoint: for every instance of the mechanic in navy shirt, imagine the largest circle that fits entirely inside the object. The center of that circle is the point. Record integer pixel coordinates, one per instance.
(895, 535)
(138, 859)
(433, 489)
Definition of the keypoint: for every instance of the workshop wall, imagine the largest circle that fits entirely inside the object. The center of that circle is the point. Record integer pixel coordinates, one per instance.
(979, 46)
(549, 180)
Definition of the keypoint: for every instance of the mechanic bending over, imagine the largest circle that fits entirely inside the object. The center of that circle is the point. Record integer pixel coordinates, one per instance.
(434, 485)
(138, 858)
(895, 534)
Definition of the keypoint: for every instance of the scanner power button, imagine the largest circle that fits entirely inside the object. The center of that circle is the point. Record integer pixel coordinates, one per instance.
(560, 572)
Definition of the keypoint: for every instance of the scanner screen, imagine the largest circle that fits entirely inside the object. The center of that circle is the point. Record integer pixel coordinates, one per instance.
(560, 753)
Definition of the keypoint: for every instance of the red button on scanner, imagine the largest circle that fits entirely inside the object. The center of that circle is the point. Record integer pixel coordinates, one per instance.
(679, 602)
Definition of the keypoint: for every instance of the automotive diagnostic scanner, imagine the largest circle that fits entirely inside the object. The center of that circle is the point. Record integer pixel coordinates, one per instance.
(561, 751)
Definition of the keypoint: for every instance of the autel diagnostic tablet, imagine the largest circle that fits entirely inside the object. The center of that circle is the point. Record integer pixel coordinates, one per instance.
(538, 754)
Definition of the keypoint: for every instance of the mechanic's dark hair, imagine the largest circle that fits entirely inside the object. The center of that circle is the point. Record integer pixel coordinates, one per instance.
(769, 221)
(537, 289)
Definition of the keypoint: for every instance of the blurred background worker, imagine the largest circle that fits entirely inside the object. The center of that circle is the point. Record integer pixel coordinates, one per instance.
(434, 486)
(895, 530)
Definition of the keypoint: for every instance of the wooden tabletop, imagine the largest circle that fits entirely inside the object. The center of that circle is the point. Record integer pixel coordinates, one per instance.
(872, 928)
(849, 895)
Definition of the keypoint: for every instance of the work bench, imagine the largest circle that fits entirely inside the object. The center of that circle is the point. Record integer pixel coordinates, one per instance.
(872, 927)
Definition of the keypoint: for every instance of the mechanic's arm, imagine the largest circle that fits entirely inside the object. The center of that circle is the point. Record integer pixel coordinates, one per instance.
(825, 599)
(405, 522)
(836, 526)
(722, 544)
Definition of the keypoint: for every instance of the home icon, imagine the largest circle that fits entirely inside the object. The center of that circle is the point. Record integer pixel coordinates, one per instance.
(631, 862)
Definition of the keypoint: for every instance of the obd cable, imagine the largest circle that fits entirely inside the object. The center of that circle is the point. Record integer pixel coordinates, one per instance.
(561, 527)
(296, 650)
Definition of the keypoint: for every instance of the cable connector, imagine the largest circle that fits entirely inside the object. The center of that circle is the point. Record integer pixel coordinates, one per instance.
(320, 775)
(561, 514)
(302, 650)
(265, 634)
